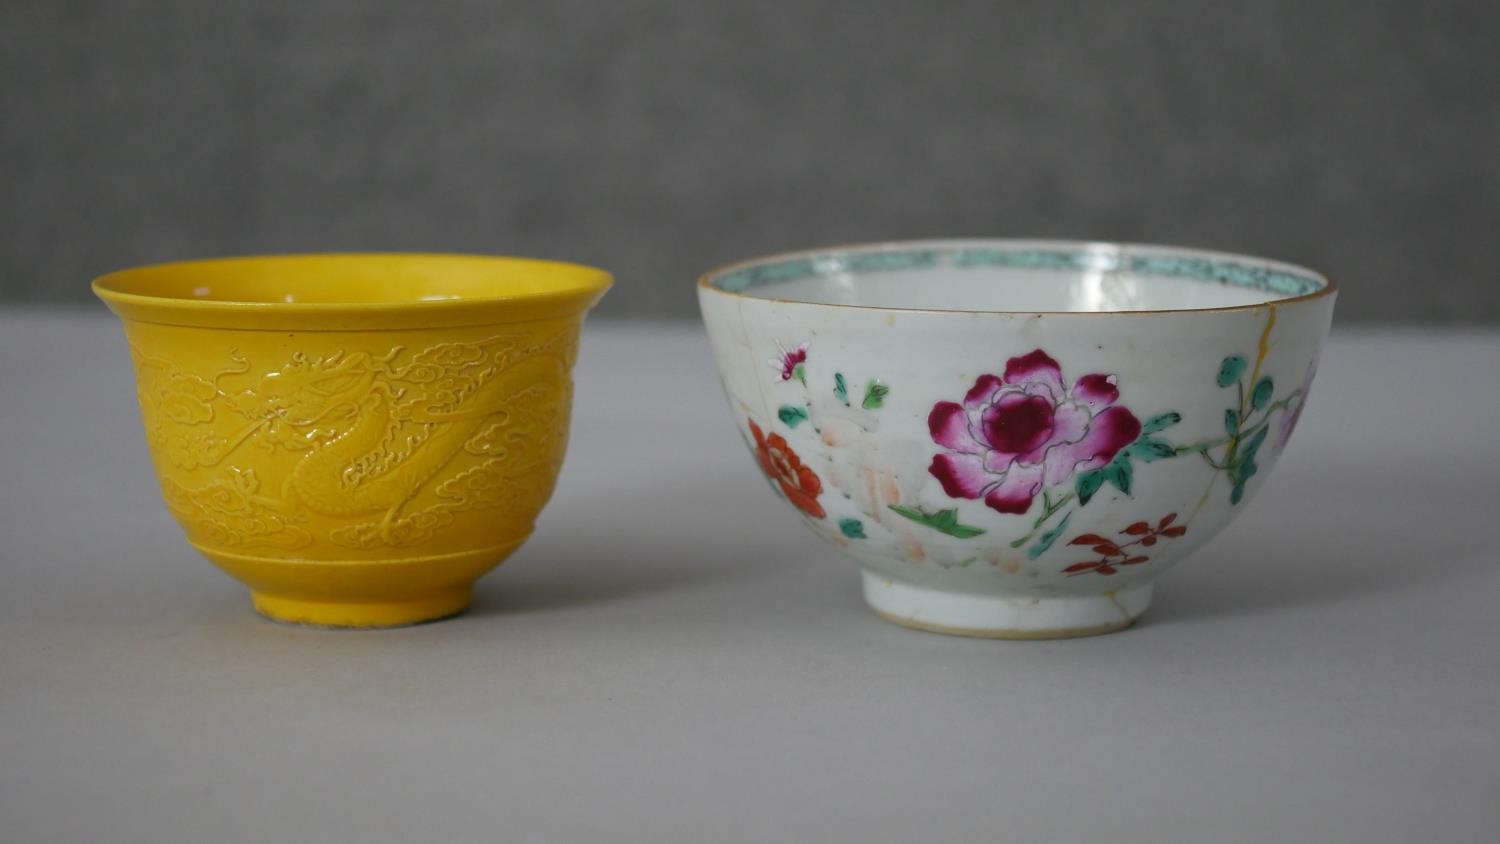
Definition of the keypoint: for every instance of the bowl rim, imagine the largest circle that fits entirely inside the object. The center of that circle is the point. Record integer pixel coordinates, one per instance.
(589, 284)
(1329, 288)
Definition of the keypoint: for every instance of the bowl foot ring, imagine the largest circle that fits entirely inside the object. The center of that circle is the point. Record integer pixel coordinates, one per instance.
(316, 612)
(992, 616)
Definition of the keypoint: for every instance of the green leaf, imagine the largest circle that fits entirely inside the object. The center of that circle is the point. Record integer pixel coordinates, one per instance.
(1244, 468)
(1047, 539)
(969, 562)
(1089, 483)
(1241, 472)
(1120, 473)
(1231, 370)
(792, 415)
(1149, 449)
(800, 373)
(852, 528)
(1232, 421)
(943, 521)
(1261, 394)
(875, 393)
(1161, 422)
(1234, 468)
(1253, 446)
(840, 391)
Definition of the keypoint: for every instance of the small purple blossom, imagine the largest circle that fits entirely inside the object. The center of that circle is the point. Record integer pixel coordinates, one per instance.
(1294, 412)
(790, 363)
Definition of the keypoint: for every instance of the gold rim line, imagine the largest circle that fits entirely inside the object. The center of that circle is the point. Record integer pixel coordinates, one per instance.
(705, 281)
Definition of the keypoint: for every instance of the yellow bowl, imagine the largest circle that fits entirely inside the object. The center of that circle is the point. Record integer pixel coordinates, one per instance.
(357, 438)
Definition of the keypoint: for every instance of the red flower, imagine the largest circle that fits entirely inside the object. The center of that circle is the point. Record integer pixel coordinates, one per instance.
(798, 483)
(1112, 554)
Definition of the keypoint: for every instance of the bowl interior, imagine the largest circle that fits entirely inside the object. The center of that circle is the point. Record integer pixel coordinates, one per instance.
(1021, 276)
(354, 279)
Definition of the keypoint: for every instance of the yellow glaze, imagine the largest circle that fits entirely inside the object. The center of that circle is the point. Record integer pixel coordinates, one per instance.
(357, 438)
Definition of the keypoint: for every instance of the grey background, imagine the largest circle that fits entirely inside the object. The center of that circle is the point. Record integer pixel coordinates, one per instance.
(674, 657)
(658, 138)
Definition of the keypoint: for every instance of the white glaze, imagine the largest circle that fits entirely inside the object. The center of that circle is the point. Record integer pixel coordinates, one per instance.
(922, 320)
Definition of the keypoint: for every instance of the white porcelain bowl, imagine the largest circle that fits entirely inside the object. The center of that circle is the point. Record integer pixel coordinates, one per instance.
(1015, 438)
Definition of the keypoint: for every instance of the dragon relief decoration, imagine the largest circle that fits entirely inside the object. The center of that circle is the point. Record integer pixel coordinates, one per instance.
(375, 433)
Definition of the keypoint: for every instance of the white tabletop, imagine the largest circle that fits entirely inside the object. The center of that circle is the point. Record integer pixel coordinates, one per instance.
(673, 657)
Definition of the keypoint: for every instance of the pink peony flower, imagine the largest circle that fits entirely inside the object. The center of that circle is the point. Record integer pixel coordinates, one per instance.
(1014, 435)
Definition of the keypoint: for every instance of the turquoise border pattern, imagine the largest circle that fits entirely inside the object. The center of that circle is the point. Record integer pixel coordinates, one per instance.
(1197, 268)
